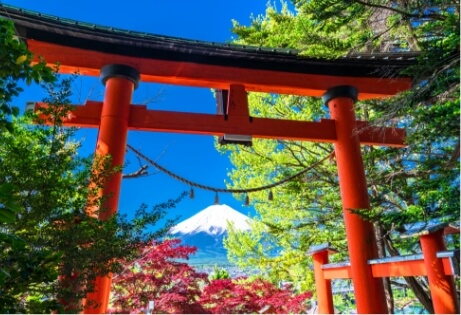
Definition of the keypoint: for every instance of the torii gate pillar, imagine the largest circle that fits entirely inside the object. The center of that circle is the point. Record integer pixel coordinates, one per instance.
(369, 291)
(441, 286)
(120, 81)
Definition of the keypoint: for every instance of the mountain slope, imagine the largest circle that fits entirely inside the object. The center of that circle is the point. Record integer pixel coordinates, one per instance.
(206, 230)
(213, 221)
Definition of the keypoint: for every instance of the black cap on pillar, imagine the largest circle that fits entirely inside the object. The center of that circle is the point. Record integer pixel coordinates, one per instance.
(340, 91)
(121, 71)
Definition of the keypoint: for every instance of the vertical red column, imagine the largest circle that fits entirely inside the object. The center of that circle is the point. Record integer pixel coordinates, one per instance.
(323, 286)
(120, 81)
(442, 287)
(369, 291)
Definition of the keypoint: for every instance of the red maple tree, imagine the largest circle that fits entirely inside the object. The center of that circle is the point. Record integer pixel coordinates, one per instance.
(175, 287)
(242, 296)
(158, 276)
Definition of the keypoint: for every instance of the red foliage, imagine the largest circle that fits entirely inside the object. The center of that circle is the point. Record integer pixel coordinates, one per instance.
(242, 296)
(158, 276)
(175, 287)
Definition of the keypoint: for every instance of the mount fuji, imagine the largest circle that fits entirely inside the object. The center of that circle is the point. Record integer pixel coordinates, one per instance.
(206, 230)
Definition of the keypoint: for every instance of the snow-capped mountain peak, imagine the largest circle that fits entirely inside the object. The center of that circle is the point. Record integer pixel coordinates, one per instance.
(213, 221)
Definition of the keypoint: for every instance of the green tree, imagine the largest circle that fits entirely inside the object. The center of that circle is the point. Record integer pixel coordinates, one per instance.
(50, 250)
(41, 161)
(279, 239)
(410, 185)
(15, 68)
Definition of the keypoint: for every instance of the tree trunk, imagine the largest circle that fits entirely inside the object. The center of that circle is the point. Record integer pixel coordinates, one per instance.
(386, 281)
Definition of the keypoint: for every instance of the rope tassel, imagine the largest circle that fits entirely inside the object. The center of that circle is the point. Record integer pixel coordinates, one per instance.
(216, 199)
(191, 193)
(270, 197)
(247, 200)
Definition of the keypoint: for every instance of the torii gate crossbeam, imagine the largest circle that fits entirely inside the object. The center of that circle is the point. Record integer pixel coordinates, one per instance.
(235, 121)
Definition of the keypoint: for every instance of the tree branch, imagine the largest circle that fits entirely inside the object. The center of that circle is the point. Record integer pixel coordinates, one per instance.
(142, 171)
(404, 13)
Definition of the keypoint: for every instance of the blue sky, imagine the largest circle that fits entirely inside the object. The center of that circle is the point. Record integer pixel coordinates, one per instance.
(193, 157)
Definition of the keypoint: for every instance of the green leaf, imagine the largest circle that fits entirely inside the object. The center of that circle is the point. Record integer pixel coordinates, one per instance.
(15, 242)
(21, 59)
(7, 198)
(3, 276)
(15, 111)
(7, 216)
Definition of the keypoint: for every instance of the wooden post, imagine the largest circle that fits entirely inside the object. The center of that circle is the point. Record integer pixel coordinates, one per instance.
(442, 287)
(120, 81)
(369, 291)
(323, 286)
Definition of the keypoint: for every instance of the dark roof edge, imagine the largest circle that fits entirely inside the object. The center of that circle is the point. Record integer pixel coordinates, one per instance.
(77, 34)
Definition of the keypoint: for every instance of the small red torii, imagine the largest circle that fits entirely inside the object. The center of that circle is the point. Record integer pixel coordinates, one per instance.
(435, 262)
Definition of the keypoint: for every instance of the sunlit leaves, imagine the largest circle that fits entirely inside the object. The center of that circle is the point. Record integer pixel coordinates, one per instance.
(418, 183)
(16, 67)
(288, 225)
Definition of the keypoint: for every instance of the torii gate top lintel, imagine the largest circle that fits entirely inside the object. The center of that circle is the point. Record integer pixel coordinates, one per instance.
(86, 48)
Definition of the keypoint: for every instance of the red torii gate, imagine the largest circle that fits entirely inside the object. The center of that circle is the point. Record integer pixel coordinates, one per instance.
(435, 262)
(123, 58)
